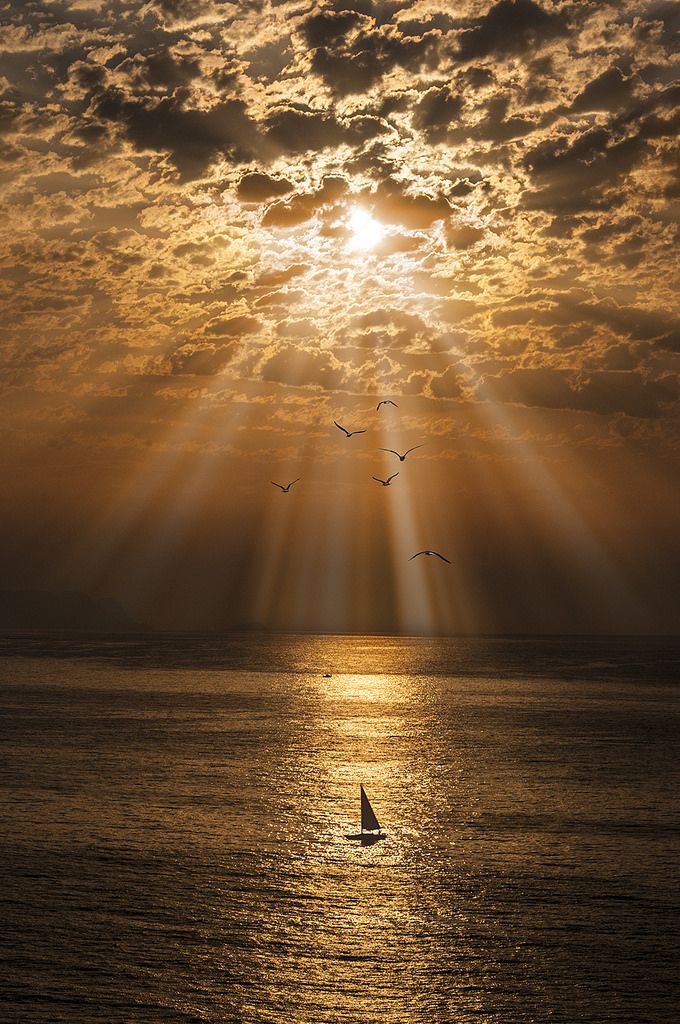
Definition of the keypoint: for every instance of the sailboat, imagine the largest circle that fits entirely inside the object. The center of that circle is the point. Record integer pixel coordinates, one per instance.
(371, 830)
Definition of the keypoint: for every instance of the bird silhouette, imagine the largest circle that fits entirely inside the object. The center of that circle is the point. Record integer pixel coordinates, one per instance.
(385, 483)
(429, 553)
(402, 458)
(288, 486)
(350, 433)
(386, 401)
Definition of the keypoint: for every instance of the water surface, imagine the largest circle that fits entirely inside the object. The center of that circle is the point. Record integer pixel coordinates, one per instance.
(175, 810)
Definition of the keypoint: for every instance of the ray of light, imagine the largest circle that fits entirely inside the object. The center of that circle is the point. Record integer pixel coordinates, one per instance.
(599, 574)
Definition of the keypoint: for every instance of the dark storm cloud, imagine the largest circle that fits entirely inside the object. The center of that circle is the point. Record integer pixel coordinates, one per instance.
(668, 14)
(299, 129)
(186, 11)
(414, 210)
(447, 384)
(511, 27)
(604, 392)
(609, 91)
(232, 326)
(160, 70)
(351, 53)
(437, 111)
(192, 138)
(256, 187)
(624, 321)
(303, 206)
(496, 127)
(10, 109)
(571, 174)
(328, 27)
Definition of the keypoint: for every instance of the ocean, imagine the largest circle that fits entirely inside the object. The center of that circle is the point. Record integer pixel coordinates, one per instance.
(174, 814)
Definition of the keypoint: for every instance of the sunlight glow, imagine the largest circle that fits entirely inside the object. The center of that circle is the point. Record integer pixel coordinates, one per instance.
(366, 230)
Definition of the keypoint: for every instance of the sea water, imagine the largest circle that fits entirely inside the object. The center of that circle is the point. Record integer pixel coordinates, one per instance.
(174, 814)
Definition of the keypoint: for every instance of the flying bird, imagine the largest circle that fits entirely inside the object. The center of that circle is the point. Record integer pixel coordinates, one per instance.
(350, 433)
(430, 553)
(402, 458)
(288, 486)
(386, 401)
(385, 483)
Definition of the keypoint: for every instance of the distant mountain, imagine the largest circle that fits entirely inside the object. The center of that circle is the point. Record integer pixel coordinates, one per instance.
(39, 611)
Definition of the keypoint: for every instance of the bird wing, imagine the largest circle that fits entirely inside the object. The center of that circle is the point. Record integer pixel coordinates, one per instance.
(359, 431)
(392, 477)
(378, 479)
(416, 555)
(391, 450)
(413, 449)
(294, 481)
(379, 404)
(341, 428)
(277, 485)
(441, 556)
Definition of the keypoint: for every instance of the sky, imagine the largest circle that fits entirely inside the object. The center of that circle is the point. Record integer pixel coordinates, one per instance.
(227, 225)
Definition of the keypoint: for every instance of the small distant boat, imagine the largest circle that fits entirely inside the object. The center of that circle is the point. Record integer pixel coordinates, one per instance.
(371, 830)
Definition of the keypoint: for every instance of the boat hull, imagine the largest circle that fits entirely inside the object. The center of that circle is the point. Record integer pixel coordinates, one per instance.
(366, 838)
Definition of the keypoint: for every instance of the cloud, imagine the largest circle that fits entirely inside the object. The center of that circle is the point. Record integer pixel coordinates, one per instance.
(300, 129)
(256, 186)
(511, 27)
(304, 205)
(568, 310)
(232, 326)
(463, 236)
(185, 13)
(389, 323)
(199, 360)
(604, 392)
(511, 150)
(572, 174)
(299, 368)
(454, 310)
(414, 210)
(192, 138)
(436, 112)
(351, 53)
(447, 384)
(161, 70)
(609, 91)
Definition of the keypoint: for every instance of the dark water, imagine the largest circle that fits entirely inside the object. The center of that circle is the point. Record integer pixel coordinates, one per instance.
(174, 812)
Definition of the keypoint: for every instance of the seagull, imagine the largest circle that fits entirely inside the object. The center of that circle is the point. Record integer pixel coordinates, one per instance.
(402, 458)
(386, 401)
(287, 487)
(385, 483)
(350, 433)
(430, 553)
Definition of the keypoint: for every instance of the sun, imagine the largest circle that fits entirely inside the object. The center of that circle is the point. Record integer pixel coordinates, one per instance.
(366, 231)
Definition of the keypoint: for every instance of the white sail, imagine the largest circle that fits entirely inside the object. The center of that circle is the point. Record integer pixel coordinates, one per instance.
(369, 821)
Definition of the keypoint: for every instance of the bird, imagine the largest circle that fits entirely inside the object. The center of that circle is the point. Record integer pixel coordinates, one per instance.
(386, 401)
(350, 433)
(430, 553)
(288, 486)
(385, 483)
(402, 458)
